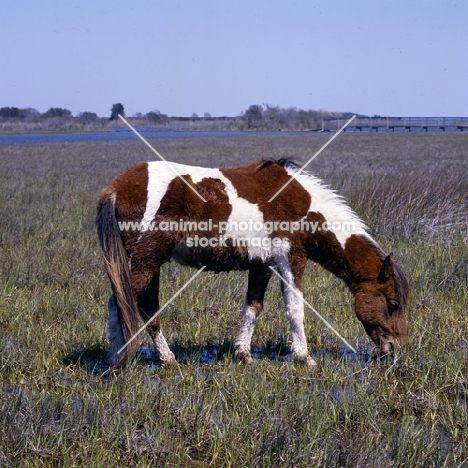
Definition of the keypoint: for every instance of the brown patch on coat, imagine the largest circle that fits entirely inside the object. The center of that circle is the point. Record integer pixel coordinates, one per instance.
(180, 202)
(364, 262)
(131, 188)
(324, 248)
(257, 183)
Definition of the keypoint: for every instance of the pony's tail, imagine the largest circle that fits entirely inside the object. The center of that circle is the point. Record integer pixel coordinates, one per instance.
(123, 311)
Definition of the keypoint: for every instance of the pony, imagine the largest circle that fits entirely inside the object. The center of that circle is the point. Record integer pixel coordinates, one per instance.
(265, 217)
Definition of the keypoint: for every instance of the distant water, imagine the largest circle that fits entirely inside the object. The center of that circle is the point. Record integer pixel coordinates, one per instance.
(117, 135)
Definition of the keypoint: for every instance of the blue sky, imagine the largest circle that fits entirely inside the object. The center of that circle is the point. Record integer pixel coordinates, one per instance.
(394, 57)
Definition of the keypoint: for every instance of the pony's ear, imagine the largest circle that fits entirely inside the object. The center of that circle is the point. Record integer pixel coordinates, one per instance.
(386, 269)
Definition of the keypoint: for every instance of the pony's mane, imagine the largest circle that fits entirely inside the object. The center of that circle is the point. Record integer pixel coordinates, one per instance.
(287, 163)
(335, 205)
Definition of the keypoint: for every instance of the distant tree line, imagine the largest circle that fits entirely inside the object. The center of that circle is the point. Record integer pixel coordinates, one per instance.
(255, 117)
(276, 118)
(116, 110)
(15, 113)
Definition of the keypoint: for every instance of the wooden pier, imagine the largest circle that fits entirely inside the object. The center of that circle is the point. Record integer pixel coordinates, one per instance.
(397, 124)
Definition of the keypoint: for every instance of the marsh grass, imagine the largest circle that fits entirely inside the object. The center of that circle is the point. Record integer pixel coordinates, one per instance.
(57, 409)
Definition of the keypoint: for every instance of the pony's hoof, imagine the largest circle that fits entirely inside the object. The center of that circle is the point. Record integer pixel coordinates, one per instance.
(243, 356)
(306, 360)
(167, 358)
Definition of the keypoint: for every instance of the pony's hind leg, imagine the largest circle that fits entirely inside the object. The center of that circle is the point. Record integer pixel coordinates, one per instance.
(259, 275)
(116, 339)
(148, 305)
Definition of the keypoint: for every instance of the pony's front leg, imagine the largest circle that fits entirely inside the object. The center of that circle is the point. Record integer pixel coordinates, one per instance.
(291, 287)
(166, 356)
(259, 275)
(244, 338)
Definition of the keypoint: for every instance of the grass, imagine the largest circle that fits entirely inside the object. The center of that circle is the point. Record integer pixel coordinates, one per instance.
(56, 408)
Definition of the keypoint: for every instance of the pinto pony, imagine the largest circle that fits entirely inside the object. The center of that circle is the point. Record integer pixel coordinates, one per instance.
(235, 219)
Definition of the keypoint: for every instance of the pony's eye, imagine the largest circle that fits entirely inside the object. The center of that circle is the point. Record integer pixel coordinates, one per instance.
(393, 304)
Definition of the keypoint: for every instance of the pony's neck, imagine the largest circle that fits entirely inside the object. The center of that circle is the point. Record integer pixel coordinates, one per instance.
(359, 260)
(365, 259)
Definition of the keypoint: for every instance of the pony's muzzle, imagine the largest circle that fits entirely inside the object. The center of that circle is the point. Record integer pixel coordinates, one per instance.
(388, 347)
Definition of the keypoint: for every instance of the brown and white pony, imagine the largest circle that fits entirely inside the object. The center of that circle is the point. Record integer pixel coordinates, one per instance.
(223, 219)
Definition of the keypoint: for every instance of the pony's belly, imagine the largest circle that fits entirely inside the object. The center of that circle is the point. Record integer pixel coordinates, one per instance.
(212, 258)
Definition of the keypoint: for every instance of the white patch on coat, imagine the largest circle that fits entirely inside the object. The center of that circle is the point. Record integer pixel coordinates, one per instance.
(160, 176)
(257, 241)
(331, 205)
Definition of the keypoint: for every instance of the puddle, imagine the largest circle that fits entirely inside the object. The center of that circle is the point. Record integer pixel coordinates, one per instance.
(95, 358)
(215, 351)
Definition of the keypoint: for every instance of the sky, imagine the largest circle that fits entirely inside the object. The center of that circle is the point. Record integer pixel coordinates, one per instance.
(393, 57)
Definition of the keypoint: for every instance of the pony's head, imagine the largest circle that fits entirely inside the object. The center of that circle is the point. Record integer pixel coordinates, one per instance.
(380, 305)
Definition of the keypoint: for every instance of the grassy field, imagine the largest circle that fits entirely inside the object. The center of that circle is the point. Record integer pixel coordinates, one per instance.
(56, 408)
